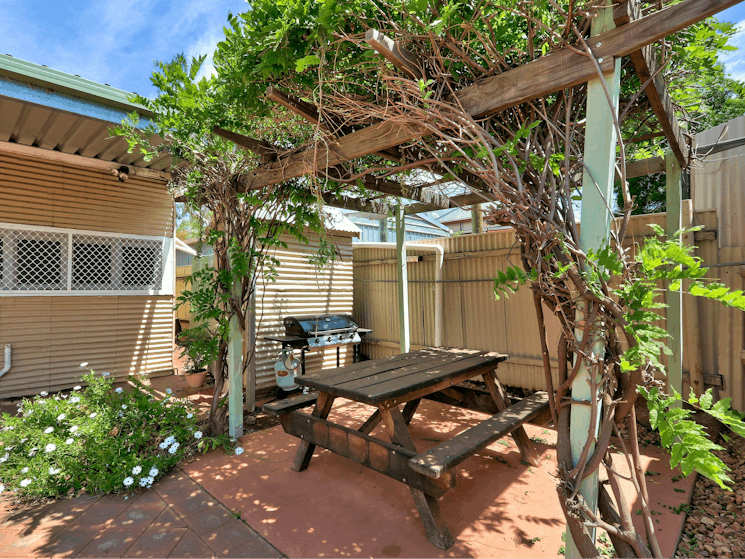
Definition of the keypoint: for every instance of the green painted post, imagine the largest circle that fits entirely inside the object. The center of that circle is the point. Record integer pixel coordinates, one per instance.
(596, 219)
(235, 372)
(383, 228)
(673, 298)
(403, 280)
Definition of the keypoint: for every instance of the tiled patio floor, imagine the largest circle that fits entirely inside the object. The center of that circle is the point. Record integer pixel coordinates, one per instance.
(177, 518)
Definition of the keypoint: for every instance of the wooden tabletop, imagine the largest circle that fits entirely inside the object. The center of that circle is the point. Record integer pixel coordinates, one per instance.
(379, 380)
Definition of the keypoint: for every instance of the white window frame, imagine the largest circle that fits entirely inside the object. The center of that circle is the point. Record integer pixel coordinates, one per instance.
(168, 261)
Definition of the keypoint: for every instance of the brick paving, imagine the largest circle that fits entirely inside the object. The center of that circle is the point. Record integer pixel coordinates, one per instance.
(176, 518)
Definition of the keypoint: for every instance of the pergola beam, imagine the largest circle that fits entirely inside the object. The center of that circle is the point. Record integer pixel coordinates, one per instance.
(263, 149)
(394, 53)
(645, 64)
(541, 77)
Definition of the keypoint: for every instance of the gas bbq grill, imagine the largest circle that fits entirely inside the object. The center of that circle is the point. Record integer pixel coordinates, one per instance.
(308, 333)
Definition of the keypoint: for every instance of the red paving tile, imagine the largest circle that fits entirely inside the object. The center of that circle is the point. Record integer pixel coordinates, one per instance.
(256, 547)
(169, 519)
(69, 542)
(208, 520)
(111, 543)
(156, 541)
(191, 546)
(139, 516)
(227, 537)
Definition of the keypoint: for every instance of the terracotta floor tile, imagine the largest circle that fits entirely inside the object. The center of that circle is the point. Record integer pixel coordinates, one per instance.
(169, 519)
(77, 505)
(193, 504)
(156, 542)
(102, 513)
(229, 536)
(191, 546)
(18, 545)
(111, 543)
(139, 516)
(257, 547)
(176, 486)
(69, 542)
(208, 520)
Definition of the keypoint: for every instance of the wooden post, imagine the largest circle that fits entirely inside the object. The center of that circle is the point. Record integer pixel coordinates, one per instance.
(403, 280)
(597, 199)
(383, 228)
(673, 298)
(235, 371)
(477, 219)
(251, 340)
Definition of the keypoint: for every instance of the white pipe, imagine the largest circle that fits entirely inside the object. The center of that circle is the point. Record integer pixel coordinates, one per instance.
(7, 360)
(440, 250)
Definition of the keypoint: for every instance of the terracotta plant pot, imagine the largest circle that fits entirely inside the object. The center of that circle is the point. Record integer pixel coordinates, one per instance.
(196, 379)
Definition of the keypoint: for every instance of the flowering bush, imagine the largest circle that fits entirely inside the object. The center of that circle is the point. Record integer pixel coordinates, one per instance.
(95, 439)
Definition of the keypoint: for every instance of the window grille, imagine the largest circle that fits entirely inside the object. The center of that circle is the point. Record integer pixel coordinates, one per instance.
(48, 260)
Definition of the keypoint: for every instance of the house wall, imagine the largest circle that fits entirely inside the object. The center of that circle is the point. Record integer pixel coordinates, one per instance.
(51, 335)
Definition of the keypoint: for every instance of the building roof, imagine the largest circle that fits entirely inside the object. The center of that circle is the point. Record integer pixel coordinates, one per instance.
(49, 110)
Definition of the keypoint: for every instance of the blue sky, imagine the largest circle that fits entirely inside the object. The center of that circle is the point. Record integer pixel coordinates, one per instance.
(116, 41)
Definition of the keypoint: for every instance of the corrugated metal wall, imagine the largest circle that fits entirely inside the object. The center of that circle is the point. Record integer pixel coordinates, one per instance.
(301, 289)
(51, 336)
(474, 319)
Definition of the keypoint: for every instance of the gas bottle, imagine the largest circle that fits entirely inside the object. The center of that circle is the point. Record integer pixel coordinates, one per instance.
(285, 370)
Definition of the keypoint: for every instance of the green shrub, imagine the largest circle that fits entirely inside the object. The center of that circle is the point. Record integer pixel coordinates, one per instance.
(96, 439)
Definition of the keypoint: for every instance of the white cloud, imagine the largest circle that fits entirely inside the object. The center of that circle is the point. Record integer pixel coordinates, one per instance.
(734, 61)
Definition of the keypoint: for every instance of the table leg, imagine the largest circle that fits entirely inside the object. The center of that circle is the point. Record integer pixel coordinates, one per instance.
(376, 418)
(428, 507)
(305, 449)
(519, 435)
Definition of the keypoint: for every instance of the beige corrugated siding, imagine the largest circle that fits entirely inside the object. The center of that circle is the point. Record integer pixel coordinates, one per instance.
(51, 336)
(473, 318)
(36, 192)
(301, 289)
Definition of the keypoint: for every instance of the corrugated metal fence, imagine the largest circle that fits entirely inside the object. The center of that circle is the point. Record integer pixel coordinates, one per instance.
(473, 318)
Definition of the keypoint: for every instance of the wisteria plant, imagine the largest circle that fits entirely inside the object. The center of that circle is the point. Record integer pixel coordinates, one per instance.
(96, 439)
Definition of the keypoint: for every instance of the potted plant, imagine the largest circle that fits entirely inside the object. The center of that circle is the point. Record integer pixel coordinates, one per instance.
(199, 348)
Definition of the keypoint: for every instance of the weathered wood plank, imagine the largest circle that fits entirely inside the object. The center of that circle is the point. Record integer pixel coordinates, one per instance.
(305, 448)
(286, 405)
(263, 149)
(394, 53)
(388, 459)
(645, 65)
(447, 455)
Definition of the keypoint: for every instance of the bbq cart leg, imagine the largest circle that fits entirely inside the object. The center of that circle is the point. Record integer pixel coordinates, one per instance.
(428, 507)
(305, 449)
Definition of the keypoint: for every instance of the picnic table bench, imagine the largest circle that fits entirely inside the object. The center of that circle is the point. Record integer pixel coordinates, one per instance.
(404, 380)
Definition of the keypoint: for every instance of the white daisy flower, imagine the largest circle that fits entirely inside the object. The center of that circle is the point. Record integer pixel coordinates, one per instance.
(128, 481)
(4, 458)
(32, 452)
(189, 415)
(2, 488)
(239, 451)
(150, 481)
(93, 415)
(73, 428)
(74, 400)
(198, 435)
(77, 387)
(51, 447)
(24, 471)
(173, 448)
(153, 472)
(119, 390)
(61, 416)
(169, 391)
(26, 482)
(84, 364)
(41, 402)
(70, 441)
(54, 471)
(48, 430)
(121, 413)
(170, 440)
(43, 393)
(163, 445)
(124, 406)
(136, 470)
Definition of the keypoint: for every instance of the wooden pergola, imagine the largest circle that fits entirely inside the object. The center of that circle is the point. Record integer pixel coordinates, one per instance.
(618, 31)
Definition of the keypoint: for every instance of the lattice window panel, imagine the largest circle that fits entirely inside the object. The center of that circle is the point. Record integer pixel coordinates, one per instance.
(101, 263)
(33, 260)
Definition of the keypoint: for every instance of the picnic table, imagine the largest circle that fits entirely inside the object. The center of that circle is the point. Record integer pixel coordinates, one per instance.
(403, 380)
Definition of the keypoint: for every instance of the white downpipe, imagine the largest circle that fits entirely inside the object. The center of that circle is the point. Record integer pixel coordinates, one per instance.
(439, 260)
(7, 360)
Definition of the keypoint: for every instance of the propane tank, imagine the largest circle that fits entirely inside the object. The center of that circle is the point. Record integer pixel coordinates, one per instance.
(285, 370)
